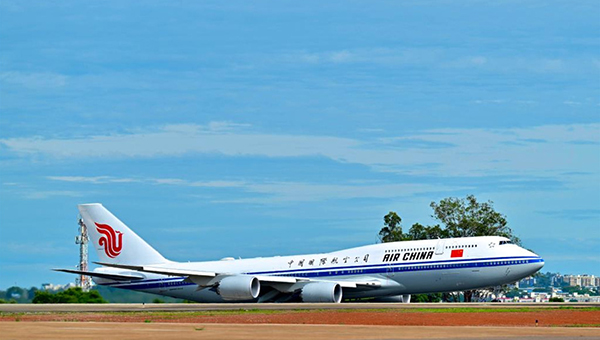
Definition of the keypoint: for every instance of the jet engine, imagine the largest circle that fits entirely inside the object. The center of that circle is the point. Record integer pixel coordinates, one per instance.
(321, 292)
(239, 288)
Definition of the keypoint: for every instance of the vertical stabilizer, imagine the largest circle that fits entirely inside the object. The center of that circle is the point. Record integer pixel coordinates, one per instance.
(113, 240)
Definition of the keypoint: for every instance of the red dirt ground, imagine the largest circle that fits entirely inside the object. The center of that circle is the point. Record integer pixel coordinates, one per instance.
(389, 317)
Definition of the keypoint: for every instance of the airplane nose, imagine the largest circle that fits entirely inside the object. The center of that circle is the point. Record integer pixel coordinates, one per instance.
(540, 264)
(536, 264)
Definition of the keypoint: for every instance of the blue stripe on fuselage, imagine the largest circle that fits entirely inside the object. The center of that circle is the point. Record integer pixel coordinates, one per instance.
(343, 271)
(385, 265)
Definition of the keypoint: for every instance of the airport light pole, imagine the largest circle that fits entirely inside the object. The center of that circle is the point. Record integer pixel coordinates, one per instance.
(82, 239)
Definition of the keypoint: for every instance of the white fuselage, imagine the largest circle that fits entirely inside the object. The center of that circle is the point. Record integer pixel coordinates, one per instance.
(400, 268)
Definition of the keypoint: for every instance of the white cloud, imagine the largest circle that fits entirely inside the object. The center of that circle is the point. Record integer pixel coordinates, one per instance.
(446, 59)
(371, 130)
(161, 181)
(33, 80)
(170, 181)
(37, 248)
(217, 184)
(204, 184)
(551, 65)
(383, 56)
(478, 60)
(94, 180)
(226, 126)
(177, 140)
(41, 194)
(281, 192)
(540, 151)
(340, 57)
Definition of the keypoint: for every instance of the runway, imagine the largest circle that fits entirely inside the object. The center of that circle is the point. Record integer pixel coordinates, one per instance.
(301, 321)
(148, 331)
(191, 307)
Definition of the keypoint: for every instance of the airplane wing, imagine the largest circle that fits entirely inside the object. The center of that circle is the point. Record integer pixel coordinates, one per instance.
(117, 277)
(161, 270)
(194, 273)
(203, 278)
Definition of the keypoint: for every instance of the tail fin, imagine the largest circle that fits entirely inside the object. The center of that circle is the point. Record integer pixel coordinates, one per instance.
(113, 240)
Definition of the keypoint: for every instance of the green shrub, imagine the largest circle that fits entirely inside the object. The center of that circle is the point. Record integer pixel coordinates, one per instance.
(71, 295)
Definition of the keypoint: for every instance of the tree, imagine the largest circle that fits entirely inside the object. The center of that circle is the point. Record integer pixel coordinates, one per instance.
(392, 230)
(421, 232)
(43, 297)
(459, 218)
(467, 217)
(71, 295)
(420, 298)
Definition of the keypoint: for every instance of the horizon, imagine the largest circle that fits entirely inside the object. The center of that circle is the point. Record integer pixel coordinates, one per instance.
(259, 129)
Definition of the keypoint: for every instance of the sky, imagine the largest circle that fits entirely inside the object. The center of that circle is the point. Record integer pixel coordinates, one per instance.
(264, 128)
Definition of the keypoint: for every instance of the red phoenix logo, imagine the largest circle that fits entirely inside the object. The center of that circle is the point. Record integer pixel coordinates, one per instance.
(111, 240)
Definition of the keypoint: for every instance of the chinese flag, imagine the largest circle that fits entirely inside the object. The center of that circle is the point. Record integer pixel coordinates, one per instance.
(457, 253)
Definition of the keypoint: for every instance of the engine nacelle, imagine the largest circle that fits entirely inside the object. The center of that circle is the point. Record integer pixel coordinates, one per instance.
(239, 288)
(321, 292)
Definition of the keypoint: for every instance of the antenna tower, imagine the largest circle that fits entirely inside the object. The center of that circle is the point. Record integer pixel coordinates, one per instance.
(82, 240)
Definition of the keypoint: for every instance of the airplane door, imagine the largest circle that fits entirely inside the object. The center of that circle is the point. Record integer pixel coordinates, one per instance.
(161, 286)
(390, 271)
(439, 248)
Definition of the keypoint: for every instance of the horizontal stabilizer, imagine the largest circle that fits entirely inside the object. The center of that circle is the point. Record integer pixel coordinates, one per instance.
(117, 277)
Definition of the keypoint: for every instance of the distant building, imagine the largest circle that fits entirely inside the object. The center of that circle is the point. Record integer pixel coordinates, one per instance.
(556, 280)
(527, 282)
(584, 280)
(572, 280)
(588, 281)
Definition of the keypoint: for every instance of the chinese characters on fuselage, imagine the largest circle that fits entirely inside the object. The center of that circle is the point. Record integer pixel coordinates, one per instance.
(324, 261)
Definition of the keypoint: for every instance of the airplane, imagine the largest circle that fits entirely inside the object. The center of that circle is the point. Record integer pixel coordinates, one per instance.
(378, 272)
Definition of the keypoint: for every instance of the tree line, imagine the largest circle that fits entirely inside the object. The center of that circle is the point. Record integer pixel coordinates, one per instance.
(76, 295)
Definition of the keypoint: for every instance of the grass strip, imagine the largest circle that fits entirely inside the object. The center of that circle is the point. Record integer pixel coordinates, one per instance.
(182, 314)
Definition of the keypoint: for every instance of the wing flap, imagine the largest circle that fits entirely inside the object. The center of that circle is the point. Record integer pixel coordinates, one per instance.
(359, 284)
(368, 283)
(277, 279)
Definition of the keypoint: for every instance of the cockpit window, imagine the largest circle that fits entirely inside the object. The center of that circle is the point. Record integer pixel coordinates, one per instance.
(505, 242)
